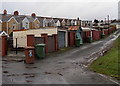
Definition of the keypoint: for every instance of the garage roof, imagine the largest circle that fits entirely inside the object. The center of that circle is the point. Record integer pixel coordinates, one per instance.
(73, 28)
(87, 29)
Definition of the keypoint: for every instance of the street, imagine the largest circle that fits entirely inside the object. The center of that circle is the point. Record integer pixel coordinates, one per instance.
(65, 68)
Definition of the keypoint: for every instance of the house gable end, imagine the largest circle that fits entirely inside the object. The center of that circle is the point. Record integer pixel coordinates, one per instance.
(11, 19)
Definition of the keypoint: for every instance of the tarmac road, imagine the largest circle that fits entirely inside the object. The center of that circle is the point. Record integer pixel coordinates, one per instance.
(66, 68)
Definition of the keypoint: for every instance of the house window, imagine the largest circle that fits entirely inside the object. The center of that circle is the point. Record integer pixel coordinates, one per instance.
(37, 25)
(13, 26)
(26, 25)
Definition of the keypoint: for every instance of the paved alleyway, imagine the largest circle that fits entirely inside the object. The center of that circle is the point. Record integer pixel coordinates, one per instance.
(66, 68)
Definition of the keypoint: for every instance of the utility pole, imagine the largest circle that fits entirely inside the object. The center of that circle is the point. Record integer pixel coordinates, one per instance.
(16, 45)
(108, 22)
(105, 20)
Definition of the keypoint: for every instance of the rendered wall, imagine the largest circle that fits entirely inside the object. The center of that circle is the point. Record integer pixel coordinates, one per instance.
(22, 35)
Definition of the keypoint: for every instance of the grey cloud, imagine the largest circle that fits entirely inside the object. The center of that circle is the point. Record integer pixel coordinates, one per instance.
(84, 10)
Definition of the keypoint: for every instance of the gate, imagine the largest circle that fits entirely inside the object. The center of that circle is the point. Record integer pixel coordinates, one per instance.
(10, 44)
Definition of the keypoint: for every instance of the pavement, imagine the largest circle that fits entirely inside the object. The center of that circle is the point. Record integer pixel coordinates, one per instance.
(70, 67)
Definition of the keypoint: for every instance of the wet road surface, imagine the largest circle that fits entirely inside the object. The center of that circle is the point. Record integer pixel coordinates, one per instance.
(64, 68)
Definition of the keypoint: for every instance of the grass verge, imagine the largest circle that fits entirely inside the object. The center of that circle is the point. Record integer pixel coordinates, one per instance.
(109, 64)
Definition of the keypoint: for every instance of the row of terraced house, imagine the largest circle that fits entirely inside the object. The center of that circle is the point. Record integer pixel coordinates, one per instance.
(55, 33)
(18, 22)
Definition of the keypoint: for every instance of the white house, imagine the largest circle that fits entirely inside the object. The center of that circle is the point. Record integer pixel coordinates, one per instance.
(44, 22)
(75, 22)
(48, 22)
(57, 22)
(86, 23)
(3, 33)
(72, 22)
(25, 23)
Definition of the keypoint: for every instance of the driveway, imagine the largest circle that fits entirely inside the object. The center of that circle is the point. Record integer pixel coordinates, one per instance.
(69, 67)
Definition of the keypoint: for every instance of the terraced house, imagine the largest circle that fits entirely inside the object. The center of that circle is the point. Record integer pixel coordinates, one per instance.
(11, 22)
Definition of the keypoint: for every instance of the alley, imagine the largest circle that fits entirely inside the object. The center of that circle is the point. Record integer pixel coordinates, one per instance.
(65, 68)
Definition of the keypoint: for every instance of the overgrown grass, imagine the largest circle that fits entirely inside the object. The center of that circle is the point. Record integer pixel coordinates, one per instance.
(109, 64)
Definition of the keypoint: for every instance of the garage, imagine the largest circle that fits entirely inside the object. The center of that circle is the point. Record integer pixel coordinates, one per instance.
(61, 39)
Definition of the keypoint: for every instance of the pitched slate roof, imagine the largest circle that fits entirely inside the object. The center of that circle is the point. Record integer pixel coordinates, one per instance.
(30, 19)
(40, 19)
(48, 20)
(60, 19)
(19, 18)
(5, 18)
(56, 19)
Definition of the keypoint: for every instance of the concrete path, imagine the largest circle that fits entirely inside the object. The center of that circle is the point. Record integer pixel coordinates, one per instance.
(66, 68)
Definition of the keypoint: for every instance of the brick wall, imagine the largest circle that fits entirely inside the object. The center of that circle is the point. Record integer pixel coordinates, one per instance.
(30, 40)
(4, 45)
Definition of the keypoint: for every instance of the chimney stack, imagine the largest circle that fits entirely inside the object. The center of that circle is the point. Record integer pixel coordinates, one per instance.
(16, 13)
(5, 12)
(33, 15)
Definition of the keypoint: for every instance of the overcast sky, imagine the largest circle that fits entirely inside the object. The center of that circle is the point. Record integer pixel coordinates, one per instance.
(86, 9)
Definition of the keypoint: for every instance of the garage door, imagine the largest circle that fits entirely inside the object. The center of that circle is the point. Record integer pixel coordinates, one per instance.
(61, 39)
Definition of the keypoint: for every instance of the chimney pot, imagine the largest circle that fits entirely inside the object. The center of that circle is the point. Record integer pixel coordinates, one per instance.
(5, 12)
(33, 14)
(16, 13)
